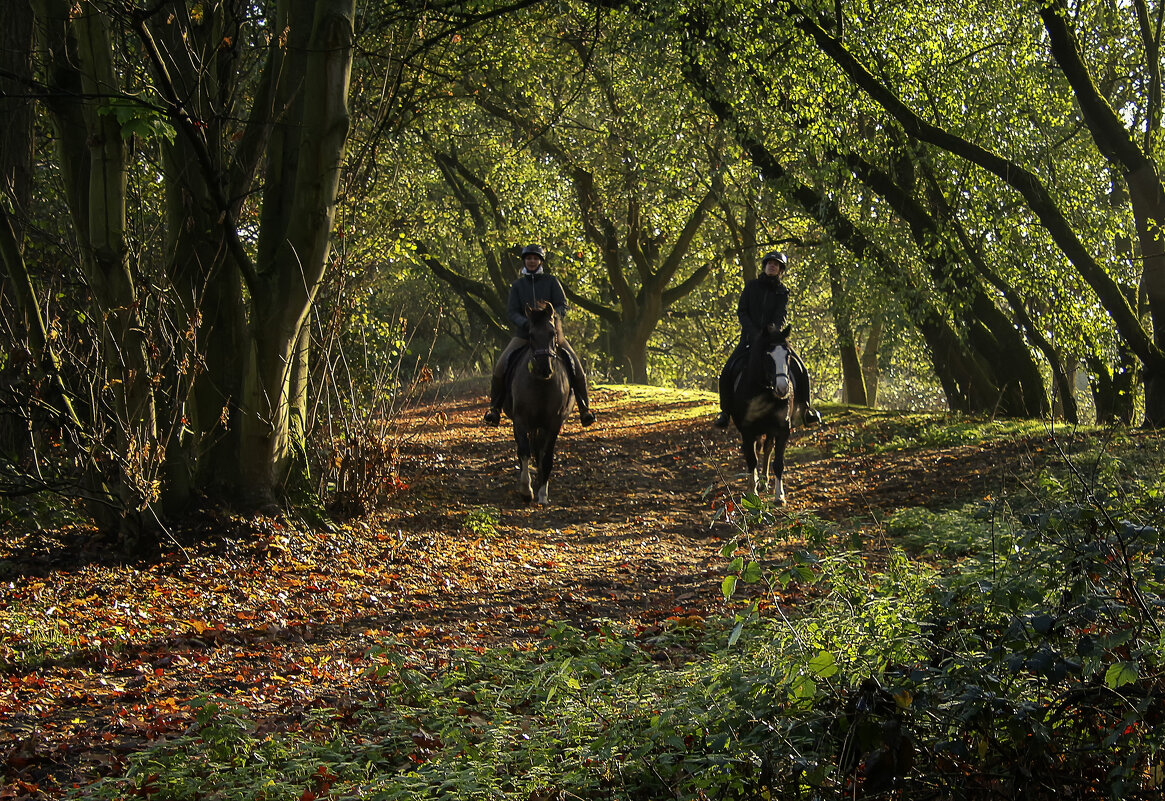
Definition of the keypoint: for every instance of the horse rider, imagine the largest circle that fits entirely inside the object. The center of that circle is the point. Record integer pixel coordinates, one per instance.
(764, 300)
(534, 284)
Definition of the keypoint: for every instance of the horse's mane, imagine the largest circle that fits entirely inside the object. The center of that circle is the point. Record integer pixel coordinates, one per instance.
(772, 335)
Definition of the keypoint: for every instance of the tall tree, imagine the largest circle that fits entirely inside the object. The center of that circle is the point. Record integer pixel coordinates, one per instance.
(81, 78)
(1073, 230)
(989, 368)
(244, 258)
(646, 178)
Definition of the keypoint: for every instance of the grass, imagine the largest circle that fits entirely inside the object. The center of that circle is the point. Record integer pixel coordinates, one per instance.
(33, 641)
(880, 431)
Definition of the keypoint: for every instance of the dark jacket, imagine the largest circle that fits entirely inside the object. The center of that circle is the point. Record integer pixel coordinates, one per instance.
(529, 289)
(764, 300)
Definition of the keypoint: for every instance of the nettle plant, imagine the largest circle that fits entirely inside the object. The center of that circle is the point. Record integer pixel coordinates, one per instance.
(1028, 661)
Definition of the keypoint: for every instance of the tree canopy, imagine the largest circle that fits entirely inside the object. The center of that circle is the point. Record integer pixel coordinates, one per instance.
(196, 193)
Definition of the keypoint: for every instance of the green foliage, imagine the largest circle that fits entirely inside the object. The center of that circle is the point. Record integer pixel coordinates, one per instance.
(37, 642)
(33, 511)
(1006, 670)
(227, 752)
(369, 376)
(953, 533)
(482, 521)
(138, 119)
(882, 432)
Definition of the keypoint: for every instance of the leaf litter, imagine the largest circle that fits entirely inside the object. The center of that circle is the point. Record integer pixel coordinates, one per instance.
(99, 658)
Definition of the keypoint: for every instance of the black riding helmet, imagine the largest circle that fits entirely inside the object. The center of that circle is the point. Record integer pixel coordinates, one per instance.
(536, 250)
(776, 256)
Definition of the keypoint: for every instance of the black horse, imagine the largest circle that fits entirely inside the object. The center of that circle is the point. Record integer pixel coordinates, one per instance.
(763, 407)
(539, 399)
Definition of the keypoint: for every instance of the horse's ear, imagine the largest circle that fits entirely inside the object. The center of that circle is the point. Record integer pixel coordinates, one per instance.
(785, 333)
(529, 310)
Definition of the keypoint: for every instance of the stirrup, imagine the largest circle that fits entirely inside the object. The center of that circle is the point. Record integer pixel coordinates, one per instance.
(810, 417)
(586, 418)
(721, 420)
(492, 418)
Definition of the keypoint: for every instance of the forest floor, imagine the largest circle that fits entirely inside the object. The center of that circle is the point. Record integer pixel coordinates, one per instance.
(99, 657)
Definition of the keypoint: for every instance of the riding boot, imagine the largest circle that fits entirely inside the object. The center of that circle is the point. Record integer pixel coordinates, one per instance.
(497, 396)
(578, 383)
(801, 393)
(726, 381)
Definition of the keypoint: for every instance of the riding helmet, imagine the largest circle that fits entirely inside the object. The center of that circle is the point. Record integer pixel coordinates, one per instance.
(536, 250)
(776, 256)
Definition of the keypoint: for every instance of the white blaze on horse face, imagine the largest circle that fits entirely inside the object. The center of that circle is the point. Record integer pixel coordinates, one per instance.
(781, 383)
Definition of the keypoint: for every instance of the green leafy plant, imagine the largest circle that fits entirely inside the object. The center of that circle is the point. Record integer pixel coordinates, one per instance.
(482, 521)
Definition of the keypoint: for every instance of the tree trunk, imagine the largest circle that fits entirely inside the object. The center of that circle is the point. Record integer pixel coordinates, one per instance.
(1112, 392)
(294, 252)
(870, 359)
(126, 455)
(209, 340)
(1060, 410)
(853, 384)
(16, 89)
(17, 302)
(1148, 202)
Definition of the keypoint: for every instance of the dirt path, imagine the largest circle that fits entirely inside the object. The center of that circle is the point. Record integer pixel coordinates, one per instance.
(100, 657)
(629, 533)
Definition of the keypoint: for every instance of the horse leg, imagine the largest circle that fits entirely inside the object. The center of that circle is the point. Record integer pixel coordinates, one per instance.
(522, 438)
(538, 480)
(749, 446)
(766, 458)
(782, 439)
(546, 464)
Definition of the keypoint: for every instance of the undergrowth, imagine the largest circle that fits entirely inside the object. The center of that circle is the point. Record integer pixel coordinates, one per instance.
(873, 431)
(1010, 648)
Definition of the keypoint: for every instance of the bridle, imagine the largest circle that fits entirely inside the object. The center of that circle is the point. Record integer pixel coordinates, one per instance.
(550, 350)
(780, 365)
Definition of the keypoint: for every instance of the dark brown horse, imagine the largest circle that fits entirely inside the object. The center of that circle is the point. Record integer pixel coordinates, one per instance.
(762, 409)
(539, 400)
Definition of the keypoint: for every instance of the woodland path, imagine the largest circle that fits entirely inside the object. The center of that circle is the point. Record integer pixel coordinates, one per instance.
(630, 530)
(99, 657)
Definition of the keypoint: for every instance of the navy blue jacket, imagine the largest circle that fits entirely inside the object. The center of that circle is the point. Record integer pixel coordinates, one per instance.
(528, 289)
(764, 300)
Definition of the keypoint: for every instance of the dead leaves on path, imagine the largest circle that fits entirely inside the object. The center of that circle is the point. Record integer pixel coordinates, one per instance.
(98, 658)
